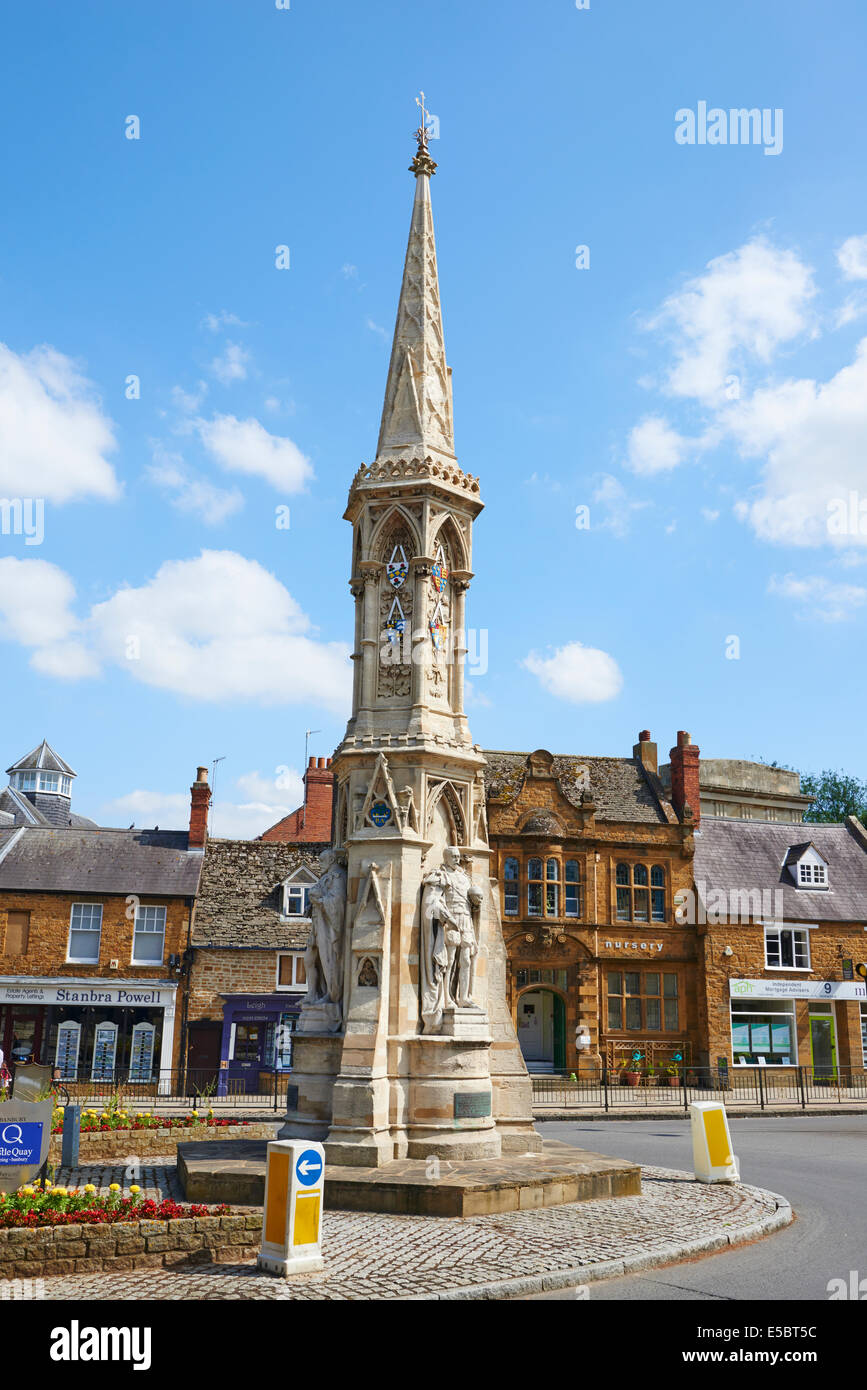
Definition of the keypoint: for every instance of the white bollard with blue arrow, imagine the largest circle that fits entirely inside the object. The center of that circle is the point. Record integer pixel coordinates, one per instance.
(292, 1219)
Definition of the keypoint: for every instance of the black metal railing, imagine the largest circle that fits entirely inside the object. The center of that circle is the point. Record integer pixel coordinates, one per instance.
(762, 1087)
(184, 1088)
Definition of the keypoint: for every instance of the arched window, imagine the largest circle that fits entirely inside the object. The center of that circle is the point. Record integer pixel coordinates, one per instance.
(573, 889)
(552, 888)
(510, 887)
(534, 888)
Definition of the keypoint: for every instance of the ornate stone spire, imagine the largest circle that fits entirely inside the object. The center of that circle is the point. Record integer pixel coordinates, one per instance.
(417, 414)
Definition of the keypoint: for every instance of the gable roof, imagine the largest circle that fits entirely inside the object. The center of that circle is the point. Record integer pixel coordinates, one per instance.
(752, 855)
(101, 861)
(621, 789)
(240, 896)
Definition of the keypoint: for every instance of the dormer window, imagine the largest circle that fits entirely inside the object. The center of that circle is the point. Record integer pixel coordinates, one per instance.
(296, 893)
(807, 867)
(812, 873)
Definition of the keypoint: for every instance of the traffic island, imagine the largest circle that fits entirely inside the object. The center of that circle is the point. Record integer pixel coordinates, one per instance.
(504, 1255)
(233, 1171)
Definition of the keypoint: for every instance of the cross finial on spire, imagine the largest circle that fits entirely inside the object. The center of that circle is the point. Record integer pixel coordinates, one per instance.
(422, 164)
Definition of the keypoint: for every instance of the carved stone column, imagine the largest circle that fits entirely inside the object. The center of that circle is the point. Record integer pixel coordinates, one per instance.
(370, 635)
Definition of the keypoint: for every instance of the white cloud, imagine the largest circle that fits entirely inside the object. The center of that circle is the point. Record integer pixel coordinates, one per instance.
(616, 504)
(189, 493)
(819, 597)
(215, 628)
(654, 447)
(232, 366)
(579, 674)
(746, 305)
(231, 818)
(852, 258)
(811, 436)
(378, 329)
(710, 514)
(54, 436)
(245, 446)
(189, 401)
(214, 322)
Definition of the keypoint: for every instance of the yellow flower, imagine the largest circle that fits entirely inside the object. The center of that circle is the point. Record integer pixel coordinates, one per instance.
(135, 1189)
(28, 1191)
(89, 1187)
(61, 1190)
(114, 1187)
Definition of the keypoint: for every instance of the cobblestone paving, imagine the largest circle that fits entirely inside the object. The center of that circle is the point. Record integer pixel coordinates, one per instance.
(157, 1177)
(370, 1256)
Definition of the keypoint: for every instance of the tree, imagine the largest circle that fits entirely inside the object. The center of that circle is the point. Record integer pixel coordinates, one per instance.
(836, 795)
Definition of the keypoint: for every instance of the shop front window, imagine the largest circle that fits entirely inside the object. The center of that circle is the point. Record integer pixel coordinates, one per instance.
(764, 1036)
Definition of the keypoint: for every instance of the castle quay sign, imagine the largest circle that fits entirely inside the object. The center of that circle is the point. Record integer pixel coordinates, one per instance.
(796, 989)
(122, 996)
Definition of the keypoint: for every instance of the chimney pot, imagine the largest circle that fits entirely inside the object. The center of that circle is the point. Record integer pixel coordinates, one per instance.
(311, 762)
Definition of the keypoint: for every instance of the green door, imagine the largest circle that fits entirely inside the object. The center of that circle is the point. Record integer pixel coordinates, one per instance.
(823, 1049)
(559, 1034)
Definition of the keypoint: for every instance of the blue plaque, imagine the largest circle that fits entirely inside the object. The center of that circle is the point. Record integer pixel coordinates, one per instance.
(380, 813)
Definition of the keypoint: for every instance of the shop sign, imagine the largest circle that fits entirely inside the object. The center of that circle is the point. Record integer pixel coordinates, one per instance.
(25, 1131)
(117, 996)
(632, 945)
(796, 989)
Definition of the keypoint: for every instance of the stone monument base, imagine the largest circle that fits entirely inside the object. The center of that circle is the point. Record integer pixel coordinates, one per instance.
(233, 1170)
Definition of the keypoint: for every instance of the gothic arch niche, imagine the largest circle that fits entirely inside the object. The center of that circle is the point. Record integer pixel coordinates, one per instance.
(342, 821)
(393, 545)
(448, 534)
(446, 822)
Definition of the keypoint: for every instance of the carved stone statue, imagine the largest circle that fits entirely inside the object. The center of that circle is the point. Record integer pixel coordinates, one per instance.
(323, 959)
(449, 943)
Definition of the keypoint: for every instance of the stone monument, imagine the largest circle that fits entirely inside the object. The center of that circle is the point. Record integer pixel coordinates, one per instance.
(405, 1046)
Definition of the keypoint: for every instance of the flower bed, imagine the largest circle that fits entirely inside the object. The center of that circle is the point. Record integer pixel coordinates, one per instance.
(111, 1119)
(142, 1141)
(52, 1204)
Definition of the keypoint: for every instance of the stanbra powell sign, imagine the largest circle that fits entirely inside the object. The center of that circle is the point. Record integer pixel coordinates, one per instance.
(796, 989)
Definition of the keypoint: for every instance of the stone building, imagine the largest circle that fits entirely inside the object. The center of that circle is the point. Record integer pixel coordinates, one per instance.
(590, 855)
(246, 970)
(780, 914)
(741, 790)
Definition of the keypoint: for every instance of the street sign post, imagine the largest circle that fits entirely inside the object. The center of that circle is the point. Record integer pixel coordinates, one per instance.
(712, 1143)
(292, 1219)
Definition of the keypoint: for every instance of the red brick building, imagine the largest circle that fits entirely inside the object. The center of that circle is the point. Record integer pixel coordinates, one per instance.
(311, 823)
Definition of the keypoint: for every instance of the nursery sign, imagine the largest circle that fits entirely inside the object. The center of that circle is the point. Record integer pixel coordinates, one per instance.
(25, 1132)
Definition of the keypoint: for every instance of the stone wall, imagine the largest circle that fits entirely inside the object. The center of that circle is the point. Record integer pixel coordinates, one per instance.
(111, 1145)
(51, 1251)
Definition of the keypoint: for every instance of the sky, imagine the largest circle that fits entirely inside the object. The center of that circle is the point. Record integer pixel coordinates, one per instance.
(656, 317)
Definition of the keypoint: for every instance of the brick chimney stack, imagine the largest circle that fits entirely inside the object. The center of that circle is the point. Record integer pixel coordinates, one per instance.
(200, 802)
(318, 795)
(684, 777)
(645, 751)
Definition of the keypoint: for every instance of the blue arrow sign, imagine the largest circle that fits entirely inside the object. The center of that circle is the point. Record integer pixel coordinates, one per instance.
(309, 1167)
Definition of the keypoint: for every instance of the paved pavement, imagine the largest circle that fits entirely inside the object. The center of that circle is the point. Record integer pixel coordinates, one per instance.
(818, 1163)
(397, 1257)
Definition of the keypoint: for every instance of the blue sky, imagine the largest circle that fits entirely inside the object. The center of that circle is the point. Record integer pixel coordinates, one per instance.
(699, 386)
